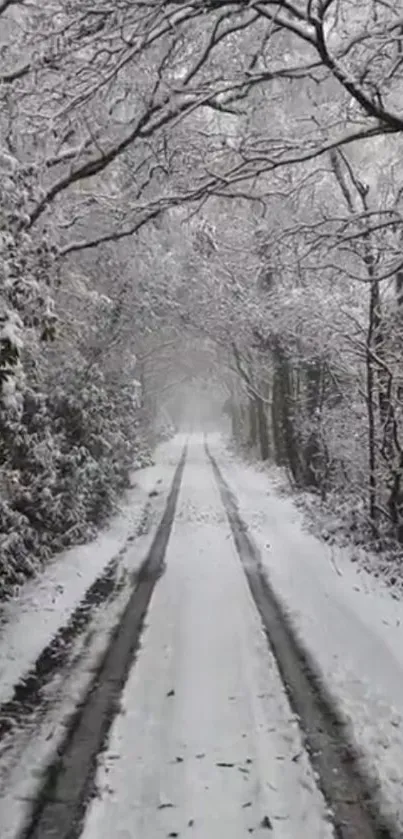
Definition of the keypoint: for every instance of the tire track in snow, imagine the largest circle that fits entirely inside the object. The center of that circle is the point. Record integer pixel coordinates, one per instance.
(29, 699)
(67, 783)
(352, 796)
(28, 696)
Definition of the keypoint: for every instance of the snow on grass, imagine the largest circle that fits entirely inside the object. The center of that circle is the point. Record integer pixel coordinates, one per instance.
(349, 620)
(44, 604)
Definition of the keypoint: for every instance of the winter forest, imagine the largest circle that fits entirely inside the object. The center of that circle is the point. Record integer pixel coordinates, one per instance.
(198, 194)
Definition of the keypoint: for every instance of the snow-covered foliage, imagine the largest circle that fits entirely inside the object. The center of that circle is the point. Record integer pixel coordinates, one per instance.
(26, 273)
(69, 431)
(66, 460)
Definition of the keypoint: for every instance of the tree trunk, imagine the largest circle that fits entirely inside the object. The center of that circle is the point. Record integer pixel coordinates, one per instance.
(313, 456)
(263, 430)
(253, 422)
(283, 424)
(372, 488)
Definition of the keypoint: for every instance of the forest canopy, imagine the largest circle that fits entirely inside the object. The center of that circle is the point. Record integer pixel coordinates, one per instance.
(225, 173)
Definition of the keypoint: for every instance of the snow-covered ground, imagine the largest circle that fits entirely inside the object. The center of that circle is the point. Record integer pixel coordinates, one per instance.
(206, 743)
(44, 604)
(346, 618)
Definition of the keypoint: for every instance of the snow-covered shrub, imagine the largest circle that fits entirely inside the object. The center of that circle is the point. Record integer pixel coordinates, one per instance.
(68, 436)
(68, 462)
(27, 271)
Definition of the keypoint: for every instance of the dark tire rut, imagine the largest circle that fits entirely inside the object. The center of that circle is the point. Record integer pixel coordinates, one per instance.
(29, 694)
(352, 796)
(29, 701)
(68, 782)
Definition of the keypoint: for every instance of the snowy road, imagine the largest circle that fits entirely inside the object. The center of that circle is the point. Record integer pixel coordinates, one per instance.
(197, 735)
(205, 744)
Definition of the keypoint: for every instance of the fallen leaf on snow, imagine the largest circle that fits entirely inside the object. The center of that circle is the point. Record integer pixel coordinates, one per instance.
(266, 822)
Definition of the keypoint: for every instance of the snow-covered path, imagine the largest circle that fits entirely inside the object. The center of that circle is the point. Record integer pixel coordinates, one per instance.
(206, 744)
